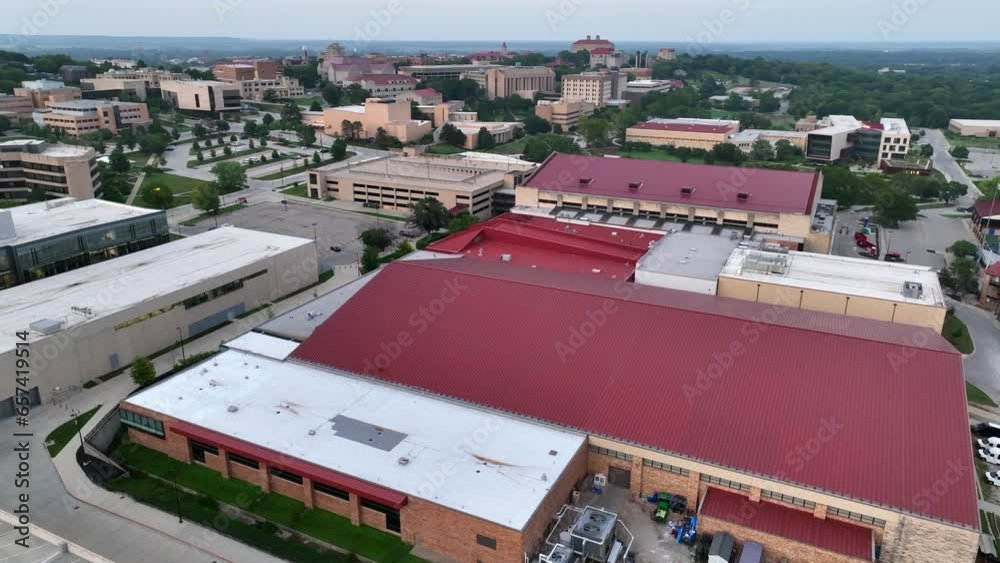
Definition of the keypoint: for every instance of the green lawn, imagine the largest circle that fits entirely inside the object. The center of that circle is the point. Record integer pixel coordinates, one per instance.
(328, 527)
(957, 333)
(513, 147)
(975, 142)
(656, 155)
(67, 431)
(300, 168)
(445, 149)
(307, 101)
(298, 189)
(978, 396)
(194, 163)
(180, 185)
(8, 203)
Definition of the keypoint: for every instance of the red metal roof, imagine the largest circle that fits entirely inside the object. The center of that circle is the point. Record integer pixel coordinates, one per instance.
(772, 191)
(602, 51)
(383, 79)
(542, 242)
(689, 127)
(777, 520)
(733, 383)
(987, 208)
(427, 92)
(994, 270)
(312, 471)
(591, 42)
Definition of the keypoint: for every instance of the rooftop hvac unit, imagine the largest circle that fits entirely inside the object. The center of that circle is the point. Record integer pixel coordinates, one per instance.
(593, 534)
(913, 290)
(687, 190)
(634, 186)
(559, 554)
(506, 257)
(743, 196)
(586, 181)
(600, 480)
(46, 327)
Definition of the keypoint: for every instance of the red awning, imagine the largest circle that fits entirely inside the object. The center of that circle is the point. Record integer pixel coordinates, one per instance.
(312, 471)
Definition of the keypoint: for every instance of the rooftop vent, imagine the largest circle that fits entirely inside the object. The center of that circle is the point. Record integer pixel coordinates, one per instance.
(46, 326)
(913, 290)
(634, 186)
(232, 408)
(403, 461)
(743, 196)
(586, 181)
(506, 257)
(687, 190)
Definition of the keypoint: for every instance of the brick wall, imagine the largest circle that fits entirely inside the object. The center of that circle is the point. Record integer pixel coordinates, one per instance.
(656, 480)
(453, 534)
(537, 527)
(243, 473)
(373, 518)
(775, 547)
(914, 540)
(332, 504)
(287, 488)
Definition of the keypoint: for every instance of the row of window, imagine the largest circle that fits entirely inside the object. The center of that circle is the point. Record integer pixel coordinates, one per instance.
(855, 516)
(610, 453)
(725, 483)
(141, 422)
(192, 302)
(788, 499)
(665, 467)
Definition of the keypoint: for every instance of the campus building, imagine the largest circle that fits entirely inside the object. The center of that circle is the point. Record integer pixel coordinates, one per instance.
(283, 87)
(443, 72)
(423, 96)
(249, 69)
(43, 239)
(566, 114)
(589, 44)
(337, 67)
(592, 87)
(975, 127)
(18, 106)
(761, 200)
(636, 90)
(59, 170)
(384, 85)
(460, 182)
(501, 131)
(826, 385)
(202, 96)
(745, 139)
(82, 117)
(91, 321)
(692, 133)
(140, 83)
(41, 92)
(507, 81)
(376, 113)
(840, 137)
(608, 57)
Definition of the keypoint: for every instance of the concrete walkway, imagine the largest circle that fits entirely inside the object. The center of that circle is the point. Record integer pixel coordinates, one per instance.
(109, 394)
(138, 183)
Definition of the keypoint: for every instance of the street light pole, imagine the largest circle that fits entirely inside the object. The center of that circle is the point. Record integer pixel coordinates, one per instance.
(79, 431)
(180, 338)
(177, 496)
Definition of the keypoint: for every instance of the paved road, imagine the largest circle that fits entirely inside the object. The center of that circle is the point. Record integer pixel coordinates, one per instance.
(982, 367)
(944, 162)
(920, 242)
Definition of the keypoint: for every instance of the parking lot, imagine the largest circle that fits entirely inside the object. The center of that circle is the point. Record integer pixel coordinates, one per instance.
(924, 241)
(329, 226)
(984, 163)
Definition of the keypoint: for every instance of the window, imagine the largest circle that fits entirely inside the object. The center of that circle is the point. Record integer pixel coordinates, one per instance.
(610, 453)
(789, 499)
(665, 467)
(287, 476)
(486, 541)
(855, 516)
(198, 450)
(725, 483)
(332, 491)
(244, 461)
(141, 423)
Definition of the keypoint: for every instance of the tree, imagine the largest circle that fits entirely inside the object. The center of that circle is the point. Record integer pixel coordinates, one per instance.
(735, 102)
(233, 138)
(710, 87)
(768, 103)
(784, 151)
(963, 248)
(315, 106)
(358, 128)
(379, 238)
(291, 113)
(221, 125)
(452, 135)
(384, 140)
(118, 162)
(316, 158)
(200, 157)
(263, 141)
(370, 260)
(964, 272)
(5, 123)
(952, 191)
(267, 120)
(156, 196)
(229, 176)
(960, 152)
(143, 372)
(274, 154)
(307, 135)
(893, 205)
(252, 144)
(539, 148)
(762, 150)
(37, 194)
(728, 152)
(175, 133)
(461, 222)
(338, 150)
(251, 129)
(484, 140)
(270, 95)
(534, 125)
(153, 144)
(206, 198)
(347, 129)
(927, 150)
(594, 130)
(331, 94)
(429, 214)
(227, 151)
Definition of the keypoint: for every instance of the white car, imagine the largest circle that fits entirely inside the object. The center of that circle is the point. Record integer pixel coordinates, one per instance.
(993, 477)
(991, 455)
(989, 443)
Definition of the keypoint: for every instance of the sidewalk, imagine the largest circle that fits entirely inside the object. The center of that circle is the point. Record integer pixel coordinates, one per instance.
(138, 183)
(109, 394)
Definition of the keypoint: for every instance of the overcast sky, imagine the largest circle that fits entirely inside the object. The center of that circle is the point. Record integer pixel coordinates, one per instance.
(669, 21)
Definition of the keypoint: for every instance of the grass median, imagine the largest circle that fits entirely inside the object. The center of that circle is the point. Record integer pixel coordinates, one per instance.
(61, 436)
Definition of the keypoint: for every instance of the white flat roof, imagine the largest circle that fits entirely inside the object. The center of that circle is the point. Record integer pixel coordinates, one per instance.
(694, 254)
(839, 274)
(500, 468)
(352, 109)
(36, 221)
(263, 345)
(895, 125)
(120, 284)
(977, 122)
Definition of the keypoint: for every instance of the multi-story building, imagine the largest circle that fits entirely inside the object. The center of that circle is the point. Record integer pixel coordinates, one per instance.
(39, 240)
(81, 117)
(761, 201)
(841, 137)
(40, 92)
(636, 90)
(488, 57)
(442, 72)
(137, 82)
(19, 106)
(384, 85)
(589, 44)
(145, 302)
(283, 87)
(423, 96)
(693, 133)
(249, 69)
(336, 66)
(376, 113)
(746, 138)
(666, 54)
(524, 81)
(460, 182)
(74, 73)
(591, 87)
(202, 96)
(606, 56)
(989, 287)
(501, 131)
(975, 127)
(60, 170)
(566, 114)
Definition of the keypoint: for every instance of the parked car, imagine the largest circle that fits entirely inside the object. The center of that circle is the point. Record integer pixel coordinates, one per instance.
(989, 443)
(893, 257)
(986, 429)
(336, 248)
(993, 477)
(991, 455)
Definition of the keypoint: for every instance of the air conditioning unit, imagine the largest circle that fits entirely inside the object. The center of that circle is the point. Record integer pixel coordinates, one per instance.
(600, 480)
(687, 190)
(743, 196)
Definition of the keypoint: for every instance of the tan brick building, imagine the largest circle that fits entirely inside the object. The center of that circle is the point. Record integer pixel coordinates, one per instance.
(82, 117)
(524, 81)
(595, 88)
(251, 69)
(41, 92)
(386, 113)
(684, 132)
(202, 96)
(563, 113)
(20, 106)
(60, 170)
